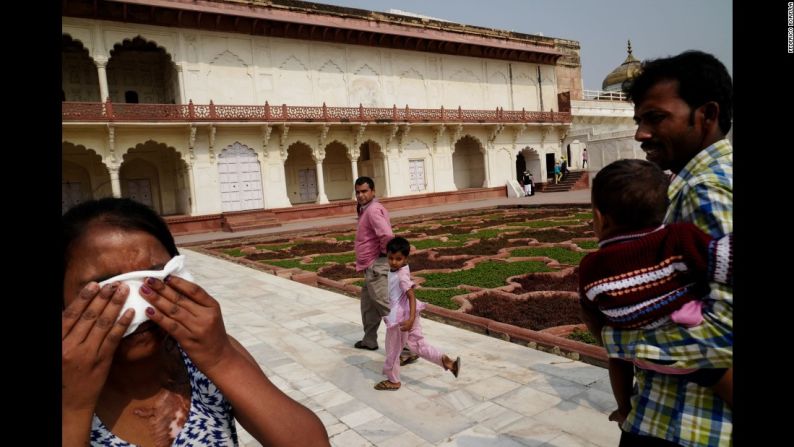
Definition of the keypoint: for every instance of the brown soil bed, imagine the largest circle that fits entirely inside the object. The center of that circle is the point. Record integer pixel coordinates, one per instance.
(422, 261)
(538, 281)
(536, 313)
(310, 248)
(551, 235)
(269, 255)
(338, 271)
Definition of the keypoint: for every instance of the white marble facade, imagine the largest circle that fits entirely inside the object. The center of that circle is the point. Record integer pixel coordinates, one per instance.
(186, 168)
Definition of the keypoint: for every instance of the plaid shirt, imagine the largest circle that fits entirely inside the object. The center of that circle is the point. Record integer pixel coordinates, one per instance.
(665, 406)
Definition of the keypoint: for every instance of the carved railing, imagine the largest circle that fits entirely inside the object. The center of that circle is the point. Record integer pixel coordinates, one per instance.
(604, 95)
(107, 111)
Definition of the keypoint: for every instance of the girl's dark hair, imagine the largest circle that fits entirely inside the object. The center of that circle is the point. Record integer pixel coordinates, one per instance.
(399, 245)
(631, 192)
(121, 213)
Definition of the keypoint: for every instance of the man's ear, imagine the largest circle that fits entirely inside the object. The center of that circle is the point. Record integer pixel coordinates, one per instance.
(711, 113)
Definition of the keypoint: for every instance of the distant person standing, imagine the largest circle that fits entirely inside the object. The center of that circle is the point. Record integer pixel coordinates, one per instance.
(563, 168)
(557, 174)
(584, 157)
(526, 180)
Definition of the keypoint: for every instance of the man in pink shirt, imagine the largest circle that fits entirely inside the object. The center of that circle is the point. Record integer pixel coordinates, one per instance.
(372, 234)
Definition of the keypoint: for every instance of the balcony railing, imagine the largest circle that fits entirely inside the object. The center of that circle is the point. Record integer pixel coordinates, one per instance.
(107, 111)
(603, 95)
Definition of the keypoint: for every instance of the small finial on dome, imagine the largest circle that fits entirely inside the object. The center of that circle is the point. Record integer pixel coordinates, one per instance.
(629, 49)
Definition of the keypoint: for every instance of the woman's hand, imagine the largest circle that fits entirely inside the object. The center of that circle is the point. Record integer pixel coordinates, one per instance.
(192, 317)
(90, 335)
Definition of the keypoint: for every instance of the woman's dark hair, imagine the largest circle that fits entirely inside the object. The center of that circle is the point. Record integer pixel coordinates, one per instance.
(631, 192)
(121, 213)
(399, 245)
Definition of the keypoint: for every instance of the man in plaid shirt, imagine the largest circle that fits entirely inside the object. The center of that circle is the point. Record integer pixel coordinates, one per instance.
(683, 109)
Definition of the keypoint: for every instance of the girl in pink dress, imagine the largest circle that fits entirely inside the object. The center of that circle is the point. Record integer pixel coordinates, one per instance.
(403, 324)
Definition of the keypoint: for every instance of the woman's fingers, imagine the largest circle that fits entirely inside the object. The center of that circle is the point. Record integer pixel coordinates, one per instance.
(178, 300)
(168, 315)
(81, 314)
(106, 321)
(115, 334)
(192, 290)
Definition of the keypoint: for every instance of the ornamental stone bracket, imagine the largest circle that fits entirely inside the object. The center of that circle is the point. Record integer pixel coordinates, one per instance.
(266, 132)
(212, 129)
(454, 136)
(191, 143)
(402, 139)
(518, 132)
(390, 136)
(323, 136)
(282, 143)
(358, 135)
(437, 135)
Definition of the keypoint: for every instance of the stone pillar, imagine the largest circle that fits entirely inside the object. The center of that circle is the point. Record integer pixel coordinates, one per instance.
(354, 170)
(192, 189)
(487, 166)
(101, 62)
(115, 183)
(321, 197)
(181, 79)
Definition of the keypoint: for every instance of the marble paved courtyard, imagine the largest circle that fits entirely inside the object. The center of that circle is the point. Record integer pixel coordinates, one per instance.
(506, 394)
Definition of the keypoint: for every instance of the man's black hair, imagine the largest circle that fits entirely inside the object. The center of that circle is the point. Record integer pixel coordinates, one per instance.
(361, 180)
(701, 78)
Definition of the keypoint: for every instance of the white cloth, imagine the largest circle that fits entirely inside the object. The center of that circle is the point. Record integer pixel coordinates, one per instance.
(176, 267)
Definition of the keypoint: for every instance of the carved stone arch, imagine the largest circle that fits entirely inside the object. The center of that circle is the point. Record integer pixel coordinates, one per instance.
(365, 70)
(300, 171)
(79, 79)
(292, 141)
(143, 69)
(468, 162)
(293, 62)
(344, 144)
(497, 77)
(162, 170)
(416, 144)
(330, 66)
(464, 74)
(468, 136)
(84, 175)
(139, 38)
(411, 73)
(227, 55)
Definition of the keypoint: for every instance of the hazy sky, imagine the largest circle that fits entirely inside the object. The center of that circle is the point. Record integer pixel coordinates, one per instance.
(657, 28)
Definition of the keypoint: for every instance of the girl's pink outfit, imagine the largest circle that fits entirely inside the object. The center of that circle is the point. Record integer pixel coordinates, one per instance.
(399, 284)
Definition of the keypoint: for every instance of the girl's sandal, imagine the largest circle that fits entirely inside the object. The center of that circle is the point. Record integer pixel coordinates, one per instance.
(385, 385)
(456, 367)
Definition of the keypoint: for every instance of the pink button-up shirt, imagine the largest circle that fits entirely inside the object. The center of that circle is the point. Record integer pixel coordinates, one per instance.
(372, 234)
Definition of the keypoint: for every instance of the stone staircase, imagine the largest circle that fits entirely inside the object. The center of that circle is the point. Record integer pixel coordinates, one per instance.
(574, 180)
(249, 220)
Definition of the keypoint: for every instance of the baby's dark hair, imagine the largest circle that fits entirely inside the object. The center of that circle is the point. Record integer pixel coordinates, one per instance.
(633, 193)
(399, 245)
